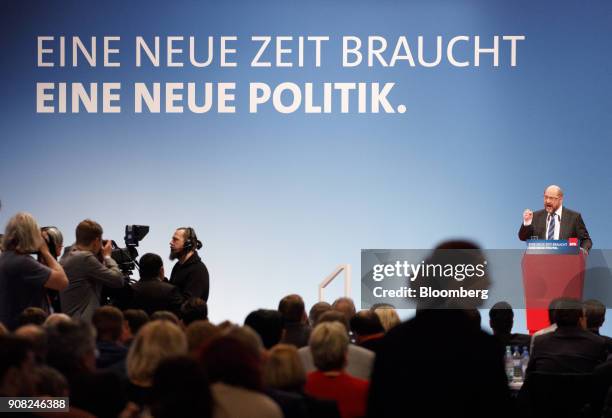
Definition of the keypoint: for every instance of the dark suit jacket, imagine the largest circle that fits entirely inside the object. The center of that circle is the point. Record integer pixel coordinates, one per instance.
(155, 295)
(438, 365)
(572, 226)
(567, 350)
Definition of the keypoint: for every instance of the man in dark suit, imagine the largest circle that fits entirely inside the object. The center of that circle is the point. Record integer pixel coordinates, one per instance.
(569, 349)
(554, 221)
(151, 293)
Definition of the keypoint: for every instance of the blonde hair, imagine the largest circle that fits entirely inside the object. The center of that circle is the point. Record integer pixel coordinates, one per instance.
(22, 234)
(388, 317)
(329, 344)
(284, 369)
(155, 341)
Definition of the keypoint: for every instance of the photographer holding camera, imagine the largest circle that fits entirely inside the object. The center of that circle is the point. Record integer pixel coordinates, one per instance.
(23, 280)
(89, 267)
(190, 274)
(55, 242)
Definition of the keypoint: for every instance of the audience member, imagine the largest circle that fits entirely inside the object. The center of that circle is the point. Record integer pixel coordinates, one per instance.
(316, 311)
(151, 293)
(551, 318)
(570, 348)
(37, 337)
(199, 333)
(180, 389)
(16, 367)
(595, 313)
(23, 280)
(329, 346)
(346, 306)
(165, 316)
(135, 319)
(387, 314)
(296, 326)
(368, 330)
(71, 350)
(55, 318)
(446, 365)
(32, 315)
(189, 274)
(193, 309)
(3, 330)
(268, 324)
(156, 341)
(501, 320)
(109, 324)
(234, 370)
(359, 360)
(89, 267)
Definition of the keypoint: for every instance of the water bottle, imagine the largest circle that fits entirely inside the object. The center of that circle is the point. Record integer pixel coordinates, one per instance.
(509, 364)
(516, 365)
(524, 360)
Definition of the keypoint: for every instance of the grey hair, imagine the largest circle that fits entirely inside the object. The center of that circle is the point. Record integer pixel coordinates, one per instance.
(329, 344)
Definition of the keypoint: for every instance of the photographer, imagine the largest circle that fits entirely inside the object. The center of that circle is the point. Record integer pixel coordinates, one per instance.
(22, 279)
(55, 242)
(190, 274)
(89, 267)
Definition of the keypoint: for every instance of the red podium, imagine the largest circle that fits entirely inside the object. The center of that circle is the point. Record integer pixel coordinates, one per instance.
(549, 274)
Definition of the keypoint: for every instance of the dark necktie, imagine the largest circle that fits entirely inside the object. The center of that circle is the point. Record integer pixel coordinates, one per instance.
(551, 227)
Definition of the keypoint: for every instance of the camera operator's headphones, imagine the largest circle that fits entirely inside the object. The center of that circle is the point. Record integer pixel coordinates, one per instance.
(191, 240)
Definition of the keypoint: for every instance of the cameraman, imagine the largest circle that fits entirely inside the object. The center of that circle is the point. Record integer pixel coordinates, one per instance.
(89, 267)
(22, 279)
(190, 274)
(55, 242)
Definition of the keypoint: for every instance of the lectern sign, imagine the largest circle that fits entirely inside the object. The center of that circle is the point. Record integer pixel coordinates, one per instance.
(553, 246)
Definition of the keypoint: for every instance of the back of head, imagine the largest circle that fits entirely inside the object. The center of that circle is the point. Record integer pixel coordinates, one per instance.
(150, 266)
(199, 333)
(595, 312)
(346, 306)
(156, 341)
(15, 378)
(568, 312)
(316, 311)
(135, 318)
(284, 369)
(70, 344)
(334, 316)
(22, 234)
(501, 318)
(388, 316)
(87, 231)
(292, 308)
(37, 336)
(194, 309)
(55, 318)
(49, 382)
(329, 344)
(32, 315)
(165, 316)
(229, 360)
(108, 321)
(366, 323)
(268, 324)
(180, 389)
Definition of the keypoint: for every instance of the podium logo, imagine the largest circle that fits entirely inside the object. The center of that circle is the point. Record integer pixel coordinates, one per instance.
(573, 242)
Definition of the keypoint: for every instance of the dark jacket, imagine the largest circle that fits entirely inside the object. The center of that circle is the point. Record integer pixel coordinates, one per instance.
(572, 226)
(154, 295)
(567, 350)
(191, 277)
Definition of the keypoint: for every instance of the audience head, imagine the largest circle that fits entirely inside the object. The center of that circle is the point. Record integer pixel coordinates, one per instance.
(501, 318)
(387, 314)
(165, 316)
(194, 309)
(55, 318)
(16, 367)
(199, 333)
(569, 312)
(89, 235)
(329, 345)
(552, 309)
(595, 313)
(108, 321)
(316, 310)
(151, 267)
(37, 336)
(292, 309)
(156, 341)
(180, 389)
(366, 323)
(32, 315)
(71, 348)
(3, 330)
(345, 306)
(135, 319)
(334, 316)
(22, 234)
(49, 382)
(284, 369)
(268, 324)
(230, 360)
